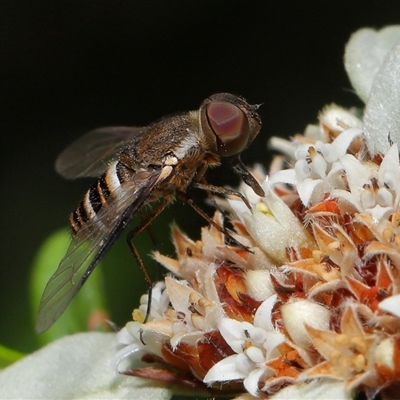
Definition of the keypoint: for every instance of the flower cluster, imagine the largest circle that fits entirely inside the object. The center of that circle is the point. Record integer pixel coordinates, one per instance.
(317, 295)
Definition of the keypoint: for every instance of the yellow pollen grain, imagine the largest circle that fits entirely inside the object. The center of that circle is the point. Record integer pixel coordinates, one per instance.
(359, 344)
(396, 219)
(246, 345)
(342, 339)
(359, 363)
(263, 208)
(194, 298)
(334, 356)
(334, 245)
(317, 256)
(397, 240)
(343, 362)
(388, 235)
(137, 316)
(170, 314)
(312, 152)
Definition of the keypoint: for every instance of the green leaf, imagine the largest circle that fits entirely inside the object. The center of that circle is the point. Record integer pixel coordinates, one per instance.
(365, 54)
(88, 303)
(76, 367)
(9, 356)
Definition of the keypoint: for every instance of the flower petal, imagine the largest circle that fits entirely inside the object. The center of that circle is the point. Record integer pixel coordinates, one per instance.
(277, 228)
(391, 305)
(300, 312)
(233, 332)
(225, 370)
(251, 381)
(263, 316)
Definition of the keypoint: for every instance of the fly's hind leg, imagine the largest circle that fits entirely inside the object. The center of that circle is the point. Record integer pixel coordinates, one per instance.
(131, 235)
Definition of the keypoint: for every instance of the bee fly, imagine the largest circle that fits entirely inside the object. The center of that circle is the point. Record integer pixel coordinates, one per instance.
(138, 166)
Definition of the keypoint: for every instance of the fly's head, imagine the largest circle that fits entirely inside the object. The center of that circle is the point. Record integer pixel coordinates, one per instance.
(229, 123)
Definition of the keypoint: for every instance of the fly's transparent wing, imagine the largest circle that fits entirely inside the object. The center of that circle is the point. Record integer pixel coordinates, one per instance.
(89, 245)
(91, 153)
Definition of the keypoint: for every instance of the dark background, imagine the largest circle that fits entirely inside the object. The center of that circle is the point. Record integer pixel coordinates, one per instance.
(68, 67)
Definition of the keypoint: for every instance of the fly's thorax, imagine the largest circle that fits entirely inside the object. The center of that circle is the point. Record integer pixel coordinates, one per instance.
(179, 135)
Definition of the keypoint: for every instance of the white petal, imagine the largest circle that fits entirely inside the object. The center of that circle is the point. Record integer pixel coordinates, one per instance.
(123, 355)
(343, 141)
(239, 208)
(338, 118)
(233, 332)
(307, 190)
(278, 229)
(382, 114)
(367, 199)
(391, 305)
(385, 353)
(225, 370)
(297, 313)
(258, 283)
(379, 213)
(389, 170)
(349, 197)
(284, 176)
(74, 367)
(251, 382)
(328, 151)
(302, 169)
(385, 197)
(282, 145)
(270, 345)
(244, 364)
(357, 174)
(255, 354)
(262, 317)
(319, 165)
(179, 294)
(364, 55)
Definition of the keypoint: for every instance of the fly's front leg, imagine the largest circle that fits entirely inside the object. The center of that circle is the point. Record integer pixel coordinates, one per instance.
(186, 199)
(143, 225)
(221, 190)
(247, 177)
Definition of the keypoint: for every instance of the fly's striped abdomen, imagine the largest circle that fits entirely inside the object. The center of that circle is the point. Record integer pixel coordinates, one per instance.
(98, 196)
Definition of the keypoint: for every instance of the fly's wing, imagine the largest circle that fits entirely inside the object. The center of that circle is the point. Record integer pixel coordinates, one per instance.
(90, 244)
(91, 153)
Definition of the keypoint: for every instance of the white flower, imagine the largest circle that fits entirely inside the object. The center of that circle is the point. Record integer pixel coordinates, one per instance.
(272, 225)
(132, 340)
(254, 344)
(371, 189)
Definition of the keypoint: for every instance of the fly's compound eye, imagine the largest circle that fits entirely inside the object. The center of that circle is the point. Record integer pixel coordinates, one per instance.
(230, 126)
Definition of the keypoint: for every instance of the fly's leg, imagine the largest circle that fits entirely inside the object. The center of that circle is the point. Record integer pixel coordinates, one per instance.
(186, 199)
(143, 225)
(153, 238)
(221, 190)
(245, 174)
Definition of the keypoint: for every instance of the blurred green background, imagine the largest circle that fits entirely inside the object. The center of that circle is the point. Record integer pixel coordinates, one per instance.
(68, 67)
